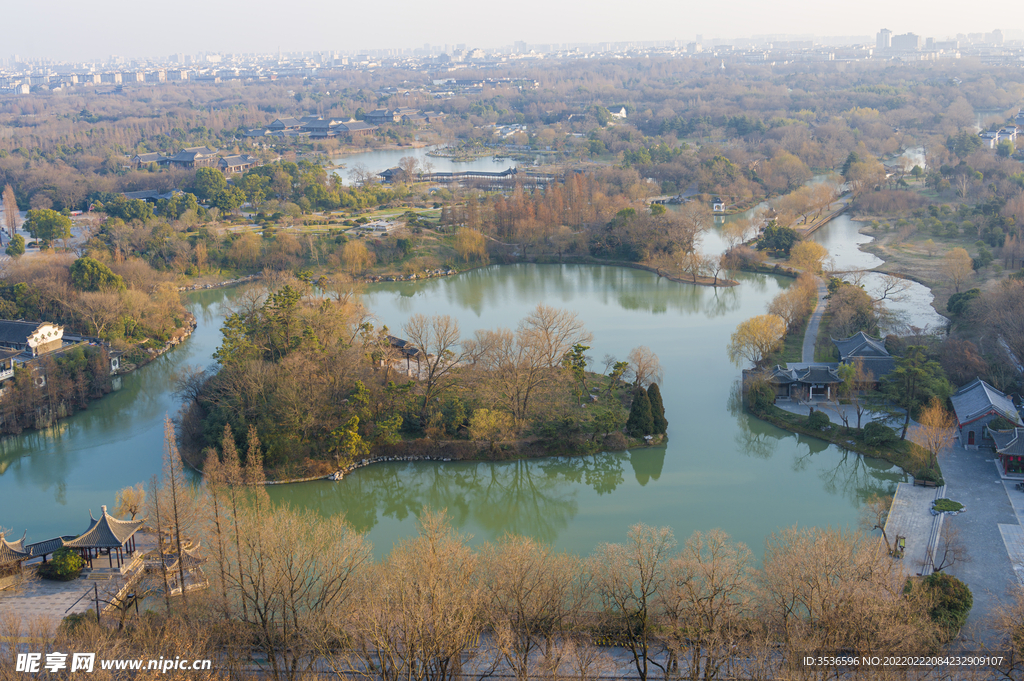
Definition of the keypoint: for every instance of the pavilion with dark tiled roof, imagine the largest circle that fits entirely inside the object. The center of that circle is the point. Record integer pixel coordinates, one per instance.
(106, 535)
(868, 350)
(1009, 446)
(812, 381)
(976, 405)
(12, 555)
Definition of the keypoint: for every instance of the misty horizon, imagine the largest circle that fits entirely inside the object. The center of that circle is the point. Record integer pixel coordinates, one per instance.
(95, 31)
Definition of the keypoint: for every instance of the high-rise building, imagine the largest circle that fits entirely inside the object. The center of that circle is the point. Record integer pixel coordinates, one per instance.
(883, 41)
(907, 42)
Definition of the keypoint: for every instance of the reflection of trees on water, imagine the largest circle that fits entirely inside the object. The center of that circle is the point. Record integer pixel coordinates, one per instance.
(635, 290)
(859, 478)
(647, 463)
(724, 301)
(529, 497)
(753, 436)
(35, 459)
(851, 475)
(603, 472)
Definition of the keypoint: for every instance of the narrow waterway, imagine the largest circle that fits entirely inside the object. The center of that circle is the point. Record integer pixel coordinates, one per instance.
(50, 479)
(912, 309)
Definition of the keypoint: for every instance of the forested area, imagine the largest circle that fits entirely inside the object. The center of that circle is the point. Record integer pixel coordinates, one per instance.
(324, 387)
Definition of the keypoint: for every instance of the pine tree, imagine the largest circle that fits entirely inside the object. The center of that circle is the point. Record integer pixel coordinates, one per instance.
(657, 409)
(640, 421)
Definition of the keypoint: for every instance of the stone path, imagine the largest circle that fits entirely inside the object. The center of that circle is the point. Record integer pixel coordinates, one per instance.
(990, 530)
(811, 334)
(910, 516)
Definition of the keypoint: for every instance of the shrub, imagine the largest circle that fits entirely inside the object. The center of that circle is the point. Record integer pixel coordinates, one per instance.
(877, 434)
(947, 505)
(615, 442)
(72, 623)
(952, 602)
(64, 566)
(818, 420)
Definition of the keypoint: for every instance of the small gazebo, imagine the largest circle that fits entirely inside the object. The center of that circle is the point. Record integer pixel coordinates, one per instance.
(106, 535)
(12, 555)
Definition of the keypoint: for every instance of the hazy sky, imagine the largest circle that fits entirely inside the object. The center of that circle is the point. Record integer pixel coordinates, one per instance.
(93, 29)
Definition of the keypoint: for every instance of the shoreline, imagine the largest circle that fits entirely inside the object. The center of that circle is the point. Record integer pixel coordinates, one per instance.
(480, 445)
(723, 282)
(779, 421)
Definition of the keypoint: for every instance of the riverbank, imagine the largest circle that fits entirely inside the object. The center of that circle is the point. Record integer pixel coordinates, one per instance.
(902, 453)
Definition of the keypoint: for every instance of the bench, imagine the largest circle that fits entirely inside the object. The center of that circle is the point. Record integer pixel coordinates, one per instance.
(925, 483)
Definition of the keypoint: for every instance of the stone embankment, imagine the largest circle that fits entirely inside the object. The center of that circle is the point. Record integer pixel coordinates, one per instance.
(340, 474)
(179, 336)
(227, 282)
(426, 274)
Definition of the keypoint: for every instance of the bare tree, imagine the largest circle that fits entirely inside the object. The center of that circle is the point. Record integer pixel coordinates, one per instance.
(419, 613)
(10, 210)
(688, 224)
(628, 581)
(706, 601)
(875, 513)
(892, 287)
(644, 366)
(99, 308)
(131, 500)
(534, 599)
(951, 550)
(554, 332)
(713, 266)
(437, 339)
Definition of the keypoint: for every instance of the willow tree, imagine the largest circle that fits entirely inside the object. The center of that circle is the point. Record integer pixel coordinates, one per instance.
(470, 244)
(756, 338)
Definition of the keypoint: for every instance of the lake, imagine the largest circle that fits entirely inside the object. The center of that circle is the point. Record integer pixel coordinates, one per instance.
(381, 159)
(720, 467)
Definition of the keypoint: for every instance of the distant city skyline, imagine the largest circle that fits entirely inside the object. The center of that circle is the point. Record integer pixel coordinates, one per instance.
(92, 31)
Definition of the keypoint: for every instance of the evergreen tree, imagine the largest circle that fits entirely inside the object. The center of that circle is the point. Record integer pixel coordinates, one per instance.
(640, 421)
(657, 409)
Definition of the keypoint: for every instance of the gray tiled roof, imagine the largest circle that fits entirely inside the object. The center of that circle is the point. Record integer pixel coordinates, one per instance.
(819, 374)
(356, 126)
(1009, 442)
(12, 551)
(192, 153)
(47, 546)
(152, 157)
(860, 345)
(106, 533)
(17, 332)
(978, 398)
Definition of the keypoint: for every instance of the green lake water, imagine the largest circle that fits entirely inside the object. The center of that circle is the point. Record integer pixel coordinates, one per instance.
(720, 467)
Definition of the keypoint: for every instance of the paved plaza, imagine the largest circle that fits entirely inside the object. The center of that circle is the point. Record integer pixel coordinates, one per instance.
(47, 602)
(990, 530)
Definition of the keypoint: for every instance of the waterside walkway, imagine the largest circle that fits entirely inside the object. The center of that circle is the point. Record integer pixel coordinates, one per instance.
(911, 517)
